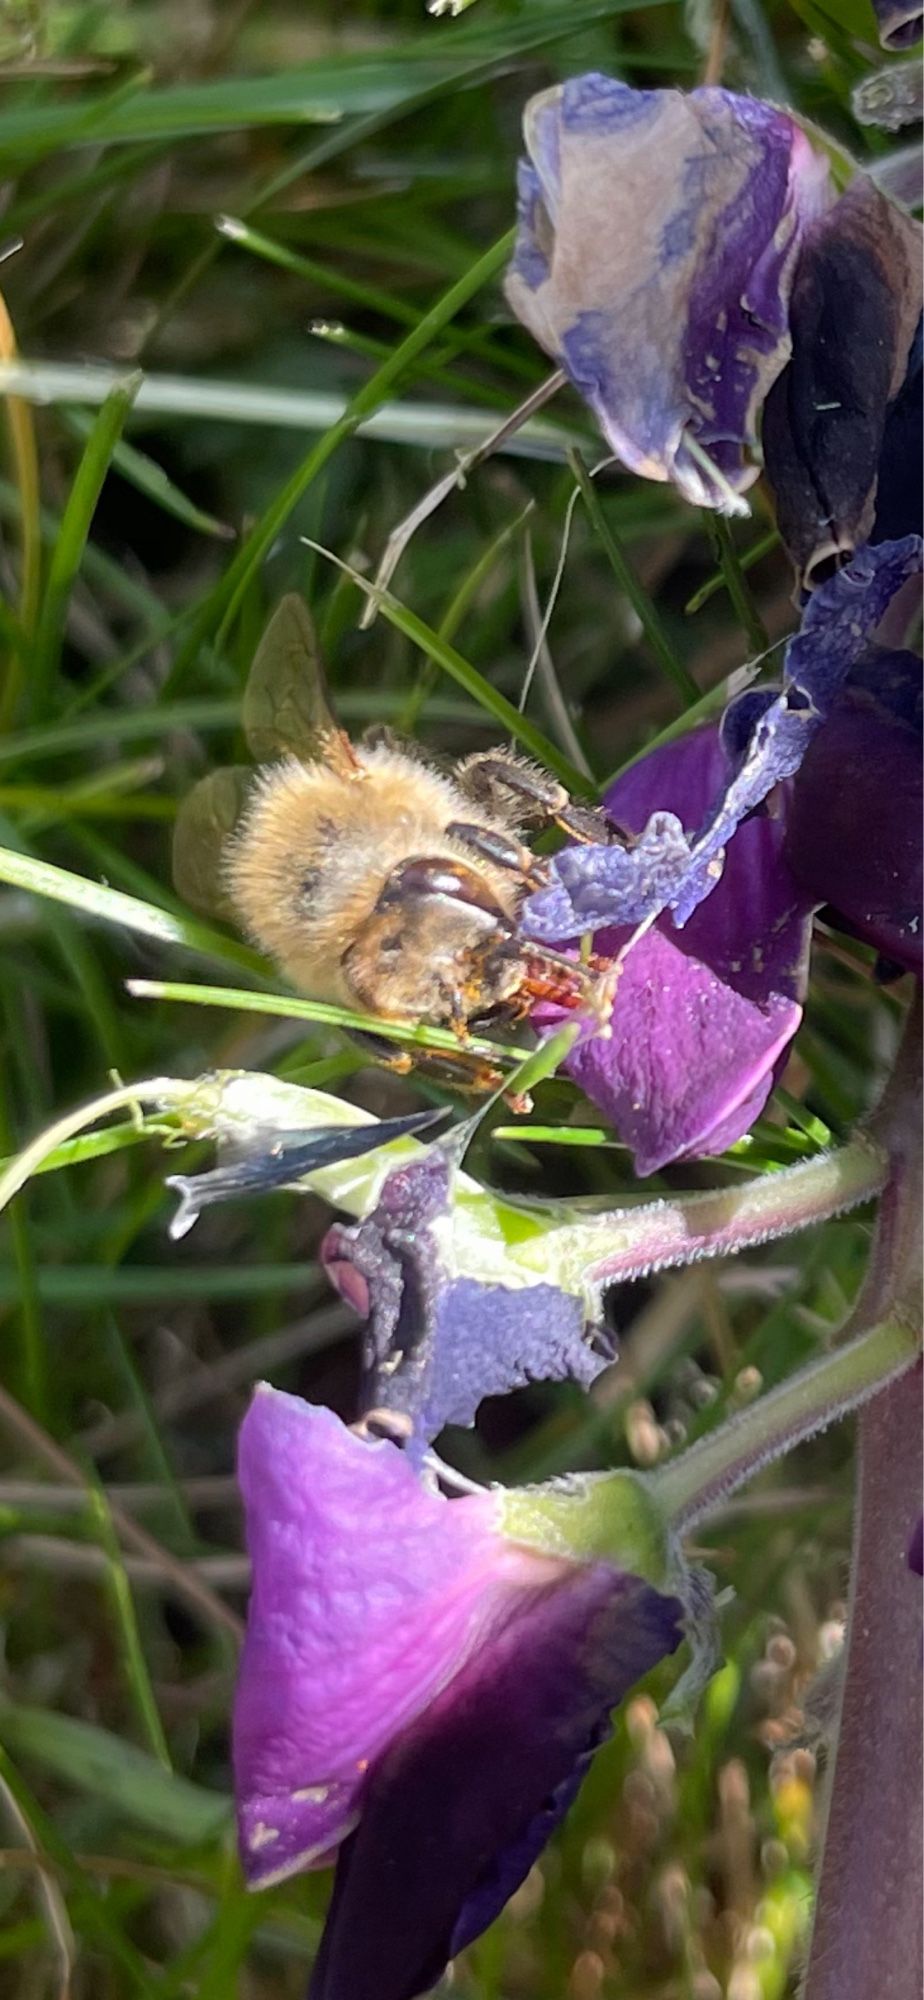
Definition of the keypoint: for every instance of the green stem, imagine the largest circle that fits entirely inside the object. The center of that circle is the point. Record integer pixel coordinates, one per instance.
(589, 1256)
(702, 1478)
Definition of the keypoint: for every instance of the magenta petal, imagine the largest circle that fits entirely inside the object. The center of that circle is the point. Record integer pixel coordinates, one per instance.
(703, 1016)
(691, 1060)
(368, 1593)
(460, 1805)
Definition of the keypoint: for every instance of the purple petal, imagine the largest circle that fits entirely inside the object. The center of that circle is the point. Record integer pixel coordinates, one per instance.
(457, 1809)
(368, 1592)
(854, 825)
(900, 24)
(899, 495)
(701, 1019)
(438, 1343)
(596, 885)
(856, 303)
(657, 235)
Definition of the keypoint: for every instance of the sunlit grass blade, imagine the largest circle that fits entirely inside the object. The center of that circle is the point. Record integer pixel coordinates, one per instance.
(318, 1012)
(222, 603)
(72, 536)
(452, 662)
(422, 426)
(645, 610)
(95, 899)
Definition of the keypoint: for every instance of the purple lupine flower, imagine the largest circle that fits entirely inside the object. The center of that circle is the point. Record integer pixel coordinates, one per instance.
(418, 1695)
(654, 258)
(854, 816)
(766, 736)
(901, 23)
(853, 377)
(703, 1014)
(437, 1341)
(702, 1017)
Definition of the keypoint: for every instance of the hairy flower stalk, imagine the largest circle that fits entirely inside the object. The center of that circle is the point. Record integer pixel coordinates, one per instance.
(867, 1935)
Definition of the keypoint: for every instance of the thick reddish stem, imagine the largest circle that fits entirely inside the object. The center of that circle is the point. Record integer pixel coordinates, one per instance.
(867, 1938)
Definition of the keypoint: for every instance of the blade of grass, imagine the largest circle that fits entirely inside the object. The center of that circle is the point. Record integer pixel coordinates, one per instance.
(33, 1371)
(88, 1906)
(133, 1661)
(26, 479)
(445, 656)
(186, 1584)
(220, 606)
(95, 899)
(149, 478)
(427, 426)
(103, 1765)
(72, 537)
(289, 1008)
(458, 605)
(742, 602)
(643, 606)
(746, 560)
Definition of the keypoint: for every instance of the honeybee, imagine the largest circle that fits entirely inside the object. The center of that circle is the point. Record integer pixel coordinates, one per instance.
(373, 879)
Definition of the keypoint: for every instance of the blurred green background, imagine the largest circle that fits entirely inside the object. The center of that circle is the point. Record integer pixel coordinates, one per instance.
(365, 156)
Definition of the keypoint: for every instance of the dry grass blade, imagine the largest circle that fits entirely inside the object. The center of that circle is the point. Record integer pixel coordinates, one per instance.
(406, 530)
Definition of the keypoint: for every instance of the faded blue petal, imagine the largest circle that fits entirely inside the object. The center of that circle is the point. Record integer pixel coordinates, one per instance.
(901, 23)
(436, 1343)
(702, 1019)
(664, 870)
(657, 234)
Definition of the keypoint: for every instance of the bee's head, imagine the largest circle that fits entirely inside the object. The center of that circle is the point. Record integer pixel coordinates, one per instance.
(438, 946)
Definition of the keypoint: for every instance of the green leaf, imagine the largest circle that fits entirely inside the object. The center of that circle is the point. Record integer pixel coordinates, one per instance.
(95, 1761)
(71, 541)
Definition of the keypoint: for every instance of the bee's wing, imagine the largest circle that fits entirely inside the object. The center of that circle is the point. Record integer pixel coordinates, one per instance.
(203, 824)
(286, 710)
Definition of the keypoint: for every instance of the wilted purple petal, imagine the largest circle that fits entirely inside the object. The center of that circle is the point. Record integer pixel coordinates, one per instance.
(595, 885)
(856, 811)
(437, 1343)
(628, 886)
(900, 24)
(656, 242)
(701, 1018)
(855, 306)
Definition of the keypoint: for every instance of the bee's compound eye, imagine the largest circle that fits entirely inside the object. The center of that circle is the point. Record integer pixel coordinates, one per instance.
(427, 876)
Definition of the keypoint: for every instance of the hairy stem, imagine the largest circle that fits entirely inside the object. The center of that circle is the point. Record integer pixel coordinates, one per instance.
(867, 1935)
(701, 1478)
(631, 1242)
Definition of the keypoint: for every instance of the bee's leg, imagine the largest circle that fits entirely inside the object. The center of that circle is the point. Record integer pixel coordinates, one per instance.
(500, 849)
(461, 1069)
(501, 783)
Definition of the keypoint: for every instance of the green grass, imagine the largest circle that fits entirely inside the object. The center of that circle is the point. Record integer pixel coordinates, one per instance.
(194, 194)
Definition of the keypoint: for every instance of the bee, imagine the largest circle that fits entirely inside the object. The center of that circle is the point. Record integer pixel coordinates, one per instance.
(373, 879)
